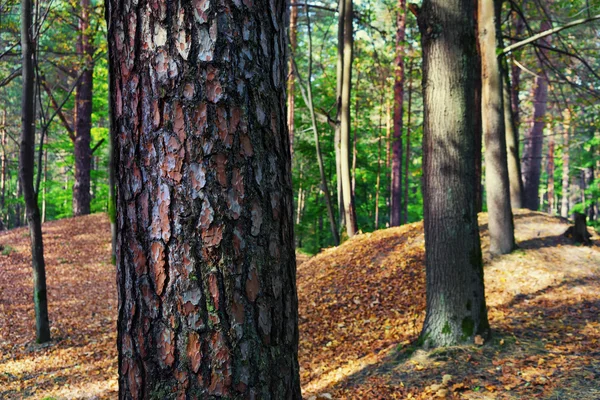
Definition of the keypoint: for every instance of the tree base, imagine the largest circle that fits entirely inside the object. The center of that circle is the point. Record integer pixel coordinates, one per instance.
(579, 232)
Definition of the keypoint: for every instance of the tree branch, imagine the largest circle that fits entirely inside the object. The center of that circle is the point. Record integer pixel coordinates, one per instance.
(548, 32)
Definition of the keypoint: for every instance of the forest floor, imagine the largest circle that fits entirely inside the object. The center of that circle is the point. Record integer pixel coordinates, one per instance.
(361, 308)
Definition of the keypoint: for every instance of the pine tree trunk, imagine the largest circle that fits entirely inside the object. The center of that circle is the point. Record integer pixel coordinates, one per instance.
(345, 122)
(293, 37)
(532, 154)
(550, 174)
(205, 252)
(26, 175)
(3, 166)
(500, 218)
(407, 155)
(456, 309)
(512, 144)
(338, 98)
(83, 122)
(477, 120)
(564, 205)
(396, 188)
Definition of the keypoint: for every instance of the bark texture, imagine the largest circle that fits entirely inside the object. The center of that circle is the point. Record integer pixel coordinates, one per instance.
(396, 189)
(205, 248)
(500, 225)
(291, 106)
(550, 174)
(456, 309)
(26, 175)
(83, 116)
(512, 144)
(532, 153)
(564, 205)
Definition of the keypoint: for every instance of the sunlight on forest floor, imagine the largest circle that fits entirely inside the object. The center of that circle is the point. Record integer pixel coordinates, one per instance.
(361, 305)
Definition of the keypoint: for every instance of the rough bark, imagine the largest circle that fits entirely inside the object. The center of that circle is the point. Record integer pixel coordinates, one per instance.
(345, 122)
(590, 206)
(456, 309)
(578, 231)
(500, 218)
(564, 205)
(205, 251)
(338, 97)
(291, 83)
(532, 153)
(83, 116)
(26, 175)
(477, 115)
(3, 165)
(396, 184)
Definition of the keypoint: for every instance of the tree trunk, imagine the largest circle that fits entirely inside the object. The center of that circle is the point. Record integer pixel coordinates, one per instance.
(477, 120)
(590, 208)
(396, 188)
(3, 165)
(205, 253)
(512, 144)
(26, 175)
(338, 98)
(407, 155)
(83, 122)
(345, 122)
(291, 82)
(550, 174)
(532, 154)
(500, 218)
(564, 205)
(456, 309)
(378, 176)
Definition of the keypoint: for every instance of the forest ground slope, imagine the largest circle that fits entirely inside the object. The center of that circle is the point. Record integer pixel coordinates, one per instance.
(361, 308)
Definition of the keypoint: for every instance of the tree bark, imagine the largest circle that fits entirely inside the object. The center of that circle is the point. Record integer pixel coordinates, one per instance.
(550, 174)
(83, 119)
(477, 120)
(396, 188)
(345, 122)
(407, 155)
(291, 82)
(512, 144)
(338, 97)
(3, 166)
(26, 175)
(564, 205)
(532, 154)
(205, 253)
(500, 218)
(456, 309)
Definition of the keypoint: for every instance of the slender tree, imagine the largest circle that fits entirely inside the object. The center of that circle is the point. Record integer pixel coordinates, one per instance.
(396, 184)
(456, 310)
(205, 251)
(564, 205)
(293, 38)
(83, 115)
(532, 153)
(27, 172)
(500, 218)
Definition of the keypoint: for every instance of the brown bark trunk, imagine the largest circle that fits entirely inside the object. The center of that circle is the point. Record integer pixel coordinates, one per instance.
(83, 121)
(3, 166)
(564, 205)
(477, 120)
(345, 122)
(338, 97)
(456, 309)
(291, 83)
(532, 154)
(26, 175)
(512, 144)
(407, 155)
(205, 254)
(515, 70)
(590, 206)
(500, 218)
(396, 186)
(550, 173)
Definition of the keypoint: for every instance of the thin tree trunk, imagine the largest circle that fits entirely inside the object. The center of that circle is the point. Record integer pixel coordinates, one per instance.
(388, 158)
(456, 309)
(338, 97)
(354, 140)
(407, 156)
(205, 254)
(512, 144)
(396, 187)
(308, 98)
(378, 179)
(345, 121)
(44, 186)
(550, 174)
(3, 165)
(291, 83)
(26, 175)
(478, 124)
(590, 209)
(532, 154)
(564, 206)
(83, 119)
(500, 218)
(516, 71)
